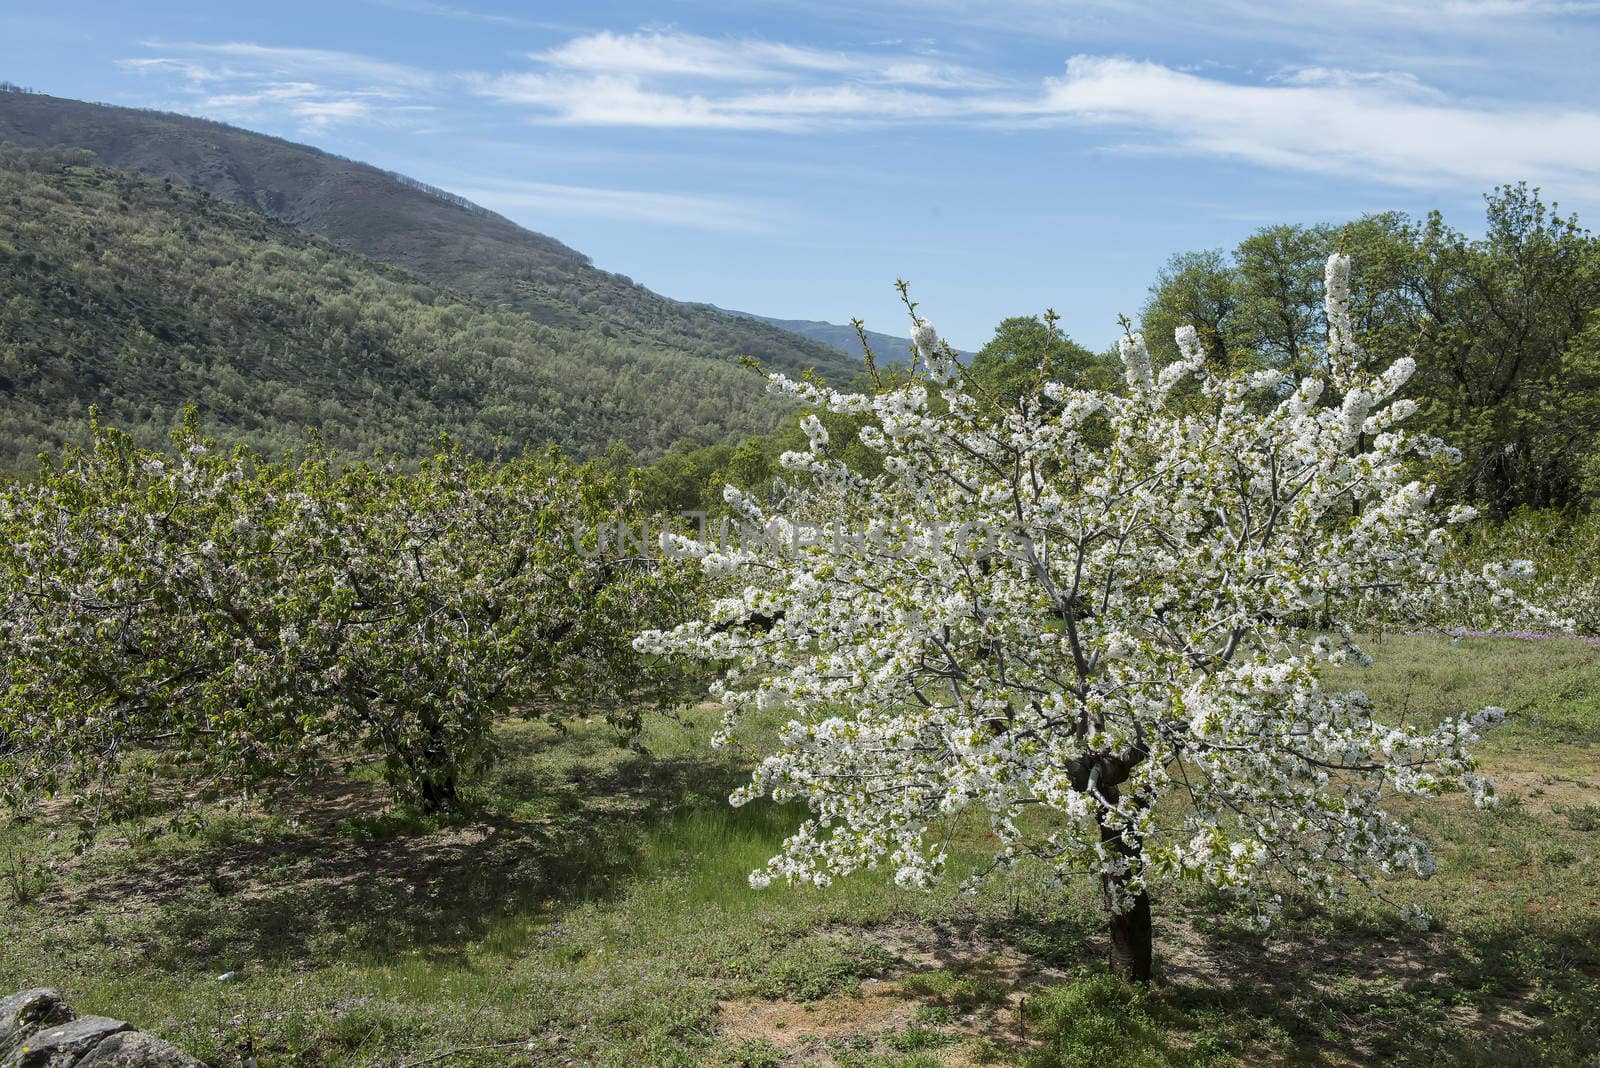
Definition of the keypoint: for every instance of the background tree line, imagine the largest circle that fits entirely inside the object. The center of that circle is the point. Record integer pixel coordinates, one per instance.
(1505, 329)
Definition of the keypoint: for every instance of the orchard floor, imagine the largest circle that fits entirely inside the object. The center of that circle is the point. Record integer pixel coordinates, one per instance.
(594, 910)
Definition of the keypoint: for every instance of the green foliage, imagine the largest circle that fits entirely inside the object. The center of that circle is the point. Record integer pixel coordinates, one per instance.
(1502, 327)
(918, 1037)
(1498, 317)
(1023, 348)
(1564, 549)
(1584, 818)
(1197, 289)
(139, 298)
(24, 878)
(961, 991)
(815, 967)
(218, 619)
(688, 478)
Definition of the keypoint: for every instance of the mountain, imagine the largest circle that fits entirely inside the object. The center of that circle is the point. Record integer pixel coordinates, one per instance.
(436, 236)
(140, 296)
(886, 348)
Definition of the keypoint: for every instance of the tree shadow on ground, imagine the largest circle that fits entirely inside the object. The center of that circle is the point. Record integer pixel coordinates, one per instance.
(561, 819)
(1369, 994)
(1335, 989)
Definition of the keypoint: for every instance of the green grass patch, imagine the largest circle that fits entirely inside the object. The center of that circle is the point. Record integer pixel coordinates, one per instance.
(595, 903)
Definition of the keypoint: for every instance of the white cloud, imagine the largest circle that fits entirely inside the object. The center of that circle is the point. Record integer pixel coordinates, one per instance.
(1240, 18)
(1487, 9)
(687, 54)
(264, 60)
(685, 80)
(733, 59)
(1384, 125)
(313, 107)
(314, 89)
(551, 201)
(1349, 126)
(448, 11)
(1335, 78)
(619, 100)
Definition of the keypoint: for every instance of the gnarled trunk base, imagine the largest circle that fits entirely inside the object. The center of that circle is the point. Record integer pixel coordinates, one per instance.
(1131, 941)
(439, 794)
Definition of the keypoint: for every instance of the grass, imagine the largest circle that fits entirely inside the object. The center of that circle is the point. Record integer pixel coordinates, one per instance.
(594, 910)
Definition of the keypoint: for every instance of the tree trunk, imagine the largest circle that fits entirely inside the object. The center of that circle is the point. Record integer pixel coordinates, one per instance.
(1131, 943)
(436, 776)
(438, 794)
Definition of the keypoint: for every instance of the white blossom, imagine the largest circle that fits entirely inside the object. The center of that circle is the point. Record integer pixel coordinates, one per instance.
(1150, 615)
(1136, 362)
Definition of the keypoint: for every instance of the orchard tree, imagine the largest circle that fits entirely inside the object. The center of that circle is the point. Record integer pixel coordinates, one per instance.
(235, 621)
(1097, 619)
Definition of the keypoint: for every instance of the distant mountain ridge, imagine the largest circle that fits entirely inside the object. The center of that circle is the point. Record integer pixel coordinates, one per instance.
(886, 348)
(433, 234)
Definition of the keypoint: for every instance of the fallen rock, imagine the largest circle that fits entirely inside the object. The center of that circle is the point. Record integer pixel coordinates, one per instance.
(23, 1013)
(63, 1045)
(39, 1030)
(135, 1049)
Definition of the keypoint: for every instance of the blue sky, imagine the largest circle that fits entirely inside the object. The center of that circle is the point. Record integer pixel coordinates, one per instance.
(794, 159)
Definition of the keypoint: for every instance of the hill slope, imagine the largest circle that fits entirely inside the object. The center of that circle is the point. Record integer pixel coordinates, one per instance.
(122, 292)
(387, 217)
(887, 348)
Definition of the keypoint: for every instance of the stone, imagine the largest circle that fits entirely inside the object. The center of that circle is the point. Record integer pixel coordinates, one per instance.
(135, 1049)
(39, 1030)
(62, 1045)
(23, 1013)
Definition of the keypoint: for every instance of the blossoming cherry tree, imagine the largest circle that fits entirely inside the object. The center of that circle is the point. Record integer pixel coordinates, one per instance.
(1096, 620)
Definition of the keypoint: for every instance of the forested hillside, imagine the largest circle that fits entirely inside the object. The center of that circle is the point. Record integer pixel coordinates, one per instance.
(139, 297)
(437, 236)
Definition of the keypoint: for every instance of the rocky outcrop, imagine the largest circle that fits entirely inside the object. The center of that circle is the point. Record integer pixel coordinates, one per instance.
(39, 1030)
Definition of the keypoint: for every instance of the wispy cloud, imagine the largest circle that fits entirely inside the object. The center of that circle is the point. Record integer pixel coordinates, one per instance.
(451, 11)
(1243, 18)
(255, 60)
(312, 88)
(622, 100)
(747, 59)
(685, 80)
(1483, 9)
(1384, 129)
(1380, 125)
(691, 211)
